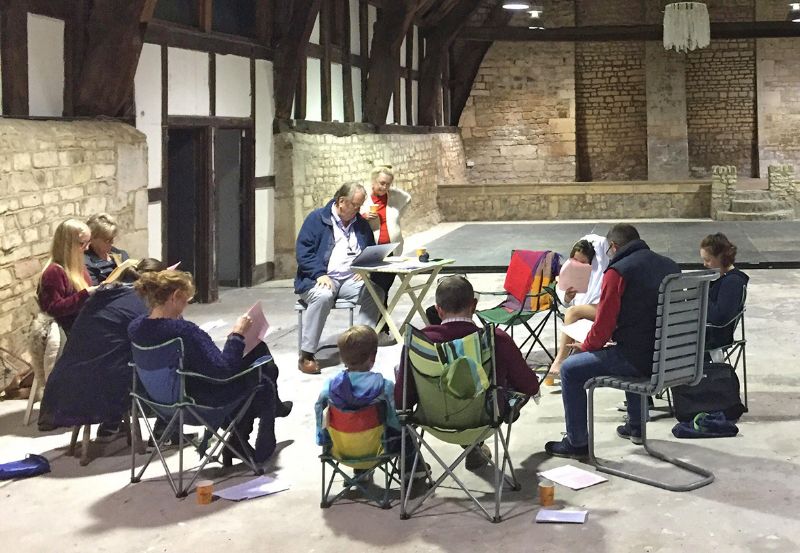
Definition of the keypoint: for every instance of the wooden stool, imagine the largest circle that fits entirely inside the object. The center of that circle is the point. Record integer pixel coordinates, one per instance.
(87, 434)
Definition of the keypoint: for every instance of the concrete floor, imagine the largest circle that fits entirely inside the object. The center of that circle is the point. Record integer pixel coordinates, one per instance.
(752, 505)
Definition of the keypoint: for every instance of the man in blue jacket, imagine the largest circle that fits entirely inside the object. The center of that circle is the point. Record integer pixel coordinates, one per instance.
(330, 238)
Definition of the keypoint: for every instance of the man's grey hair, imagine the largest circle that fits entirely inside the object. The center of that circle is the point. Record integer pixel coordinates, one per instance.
(622, 233)
(348, 190)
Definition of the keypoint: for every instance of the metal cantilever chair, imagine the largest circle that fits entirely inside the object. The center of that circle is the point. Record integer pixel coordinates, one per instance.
(678, 355)
(457, 403)
(734, 349)
(159, 384)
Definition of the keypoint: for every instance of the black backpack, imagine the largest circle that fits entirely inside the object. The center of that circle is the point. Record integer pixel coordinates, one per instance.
(717, 391)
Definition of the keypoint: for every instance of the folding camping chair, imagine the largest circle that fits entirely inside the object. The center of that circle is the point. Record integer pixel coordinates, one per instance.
(358, 440)
(678, 355)
(733, 350)
(159, 383)
(529, 290)
(457, 403)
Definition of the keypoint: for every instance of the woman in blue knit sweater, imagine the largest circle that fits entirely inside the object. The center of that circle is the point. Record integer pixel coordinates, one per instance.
(726, 293)
(167, 293)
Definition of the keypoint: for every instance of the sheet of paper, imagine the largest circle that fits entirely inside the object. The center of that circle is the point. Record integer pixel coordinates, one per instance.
(211, 325)
(553, 515)
(578, 330)
(173, 267)
(257, 330)
(573, 477)
(263, 485)
(574, 275)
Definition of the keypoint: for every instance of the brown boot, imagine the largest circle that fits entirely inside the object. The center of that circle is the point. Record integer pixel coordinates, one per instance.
(308, 366)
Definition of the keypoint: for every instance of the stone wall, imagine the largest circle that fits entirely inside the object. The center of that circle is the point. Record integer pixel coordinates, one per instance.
(51, 171)
(720, 106)
(552, 201)
(519, 122)
(310, 167)
(611, 111)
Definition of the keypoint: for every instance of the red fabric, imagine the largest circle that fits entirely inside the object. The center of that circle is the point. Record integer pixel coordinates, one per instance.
(512, 370)
(605, 322)
(57, 296)
(380, 201)
(520, 272)
(353, 421)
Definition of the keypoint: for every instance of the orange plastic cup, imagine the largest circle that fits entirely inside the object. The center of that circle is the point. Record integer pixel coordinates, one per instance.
(547, 493)
(205, 492)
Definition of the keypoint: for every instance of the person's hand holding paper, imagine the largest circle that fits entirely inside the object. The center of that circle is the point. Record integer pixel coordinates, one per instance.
(253, 326)
(574, 275)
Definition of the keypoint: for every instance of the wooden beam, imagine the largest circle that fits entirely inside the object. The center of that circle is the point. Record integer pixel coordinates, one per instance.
(264, 22)
(173, 36)
(291, 52)
(347, 73)
(439, 41)
(363, 37)
(757, 29)
(206, 15)
(464, 69)
(114, 37)
(14, 58)
(391, 27)
(325, 27)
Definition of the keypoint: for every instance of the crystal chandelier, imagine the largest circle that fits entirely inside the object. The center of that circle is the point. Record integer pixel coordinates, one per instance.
(686, 26)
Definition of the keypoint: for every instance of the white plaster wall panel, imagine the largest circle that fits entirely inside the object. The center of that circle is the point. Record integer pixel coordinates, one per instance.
(356, 77)
(147, 94)
(371, 19)
(314, 38)
(233, 86)
(263, 221)
(403, 114)
(265, 113)
(187, 82)
(1, 89)
(337, 92)
(415, 58)
(154, 248)
(45, 66)
(403, 52)
(313, 90)
(355, 31)
(414, 103)
(390, 112)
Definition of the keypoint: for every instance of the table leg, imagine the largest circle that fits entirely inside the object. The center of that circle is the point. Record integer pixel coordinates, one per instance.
(385, 312)
(417, 299)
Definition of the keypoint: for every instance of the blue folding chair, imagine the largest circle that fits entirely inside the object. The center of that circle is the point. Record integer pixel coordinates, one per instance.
(159, 383)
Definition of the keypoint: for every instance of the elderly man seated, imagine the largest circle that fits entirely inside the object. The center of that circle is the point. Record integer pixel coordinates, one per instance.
(455, 304)
(330, 238)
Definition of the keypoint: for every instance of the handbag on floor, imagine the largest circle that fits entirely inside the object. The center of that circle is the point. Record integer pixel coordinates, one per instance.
(717, 391)
(31, 465)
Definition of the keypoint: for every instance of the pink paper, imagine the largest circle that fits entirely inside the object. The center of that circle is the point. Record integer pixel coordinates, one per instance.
(574, 275)
(173, 267)
(257, 330)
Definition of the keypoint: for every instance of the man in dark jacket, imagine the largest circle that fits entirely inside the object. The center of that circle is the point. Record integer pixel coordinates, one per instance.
(330, 238)
(626, 316)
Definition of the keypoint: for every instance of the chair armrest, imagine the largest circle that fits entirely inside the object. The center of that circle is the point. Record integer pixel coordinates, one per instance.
(257, 364)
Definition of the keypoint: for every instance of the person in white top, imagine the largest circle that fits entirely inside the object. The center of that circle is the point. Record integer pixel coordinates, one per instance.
(382, 209)
(593, 249)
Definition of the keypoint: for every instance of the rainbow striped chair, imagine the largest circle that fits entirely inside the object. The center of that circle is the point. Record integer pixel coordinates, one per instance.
(358, 441)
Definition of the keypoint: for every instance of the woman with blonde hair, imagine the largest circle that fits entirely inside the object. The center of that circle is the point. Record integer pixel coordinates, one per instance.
(167, 293)
(382, 210)
(65, 284)
(101, 258)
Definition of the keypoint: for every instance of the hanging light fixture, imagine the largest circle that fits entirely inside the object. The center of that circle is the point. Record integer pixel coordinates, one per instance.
(516, 6)
(686, 26)
(794, 12)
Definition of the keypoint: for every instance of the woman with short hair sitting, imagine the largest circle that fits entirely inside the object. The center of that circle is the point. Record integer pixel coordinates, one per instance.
(102, 257)
(167, 293)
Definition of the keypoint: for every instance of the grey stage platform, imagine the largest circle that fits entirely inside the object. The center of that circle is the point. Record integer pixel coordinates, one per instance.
(486, 247)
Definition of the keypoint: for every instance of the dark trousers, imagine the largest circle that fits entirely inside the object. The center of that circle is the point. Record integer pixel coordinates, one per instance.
(384, 282)
(263, 405)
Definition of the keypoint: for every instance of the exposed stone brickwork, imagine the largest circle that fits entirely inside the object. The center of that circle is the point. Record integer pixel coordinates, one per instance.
(613, 200)
(720, 105)
(609, 12)
(778, 102)
(783, 187)
(519, 122)
(51, 171)
(611, 111)
(310, 167)
(723, 187)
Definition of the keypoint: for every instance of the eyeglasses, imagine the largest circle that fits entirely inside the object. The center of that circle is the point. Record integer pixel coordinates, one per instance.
(609, 249)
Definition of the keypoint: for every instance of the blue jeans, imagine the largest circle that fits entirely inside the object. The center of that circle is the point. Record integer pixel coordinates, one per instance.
(579, 368)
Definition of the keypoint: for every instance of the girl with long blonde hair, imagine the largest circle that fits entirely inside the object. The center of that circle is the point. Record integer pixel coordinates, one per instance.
(65, 284)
